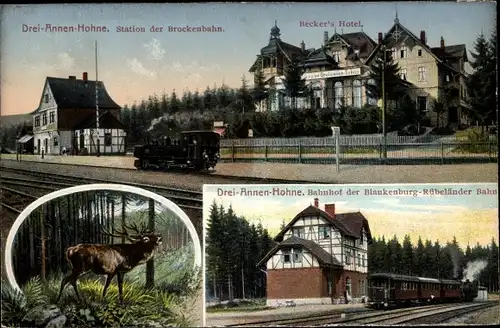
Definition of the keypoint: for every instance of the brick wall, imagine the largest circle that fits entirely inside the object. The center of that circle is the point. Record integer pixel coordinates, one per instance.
(295, 283)
(341, 280)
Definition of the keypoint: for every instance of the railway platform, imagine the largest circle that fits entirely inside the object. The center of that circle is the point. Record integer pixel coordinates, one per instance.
(247, 317)
(312, 173)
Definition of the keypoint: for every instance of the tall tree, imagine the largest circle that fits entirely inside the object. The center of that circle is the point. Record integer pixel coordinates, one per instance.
(394, 86)
(244, 100)
(482, 83)
(259, 90)
(295, 85)
(407, 258)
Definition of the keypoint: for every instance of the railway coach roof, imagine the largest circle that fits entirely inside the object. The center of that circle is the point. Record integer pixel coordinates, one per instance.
(432, 280)
(450, 282)
(393, 277)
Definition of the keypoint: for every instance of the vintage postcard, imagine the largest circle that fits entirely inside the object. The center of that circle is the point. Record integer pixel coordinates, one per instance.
(357, 254)
(102, 255)
(171, 97)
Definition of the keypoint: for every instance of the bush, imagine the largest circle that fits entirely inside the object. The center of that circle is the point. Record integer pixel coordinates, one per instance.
(477, 141)
(165, 304)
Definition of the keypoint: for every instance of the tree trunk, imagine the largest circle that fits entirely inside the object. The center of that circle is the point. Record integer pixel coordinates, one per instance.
(150, 265)
(43, 248)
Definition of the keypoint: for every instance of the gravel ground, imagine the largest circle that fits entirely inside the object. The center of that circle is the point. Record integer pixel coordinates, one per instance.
(488, 316)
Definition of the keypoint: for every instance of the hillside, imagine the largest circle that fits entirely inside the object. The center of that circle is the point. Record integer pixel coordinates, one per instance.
(11, 120)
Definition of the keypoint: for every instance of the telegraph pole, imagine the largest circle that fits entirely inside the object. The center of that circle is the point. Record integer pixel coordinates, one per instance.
(384, 129)
(97, 105)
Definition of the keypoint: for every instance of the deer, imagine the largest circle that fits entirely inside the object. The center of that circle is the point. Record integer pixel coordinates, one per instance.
(111, 260)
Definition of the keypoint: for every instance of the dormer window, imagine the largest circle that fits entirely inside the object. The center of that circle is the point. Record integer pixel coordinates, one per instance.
(420, 52)
(46, 98)
(336, 56)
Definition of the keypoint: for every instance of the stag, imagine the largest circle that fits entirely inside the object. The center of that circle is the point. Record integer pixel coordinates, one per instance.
(111, 260)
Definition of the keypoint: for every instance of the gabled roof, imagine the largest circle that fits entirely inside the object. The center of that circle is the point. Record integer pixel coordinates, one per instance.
(349, 224)
(323, 256)
(106, 121)
(319, 57)
(454, 51)
(416, 40)
(356, 41)
(79, 94)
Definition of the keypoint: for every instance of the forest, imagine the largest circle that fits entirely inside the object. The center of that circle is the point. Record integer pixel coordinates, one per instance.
(233, 249)
(435, 260)
(39, 261)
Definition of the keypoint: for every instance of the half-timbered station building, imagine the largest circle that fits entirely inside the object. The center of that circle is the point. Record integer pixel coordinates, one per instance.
(320, 258)
(339, 70)
(66, 118)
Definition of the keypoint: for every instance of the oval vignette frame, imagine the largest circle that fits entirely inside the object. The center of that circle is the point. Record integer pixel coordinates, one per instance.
(111, 187)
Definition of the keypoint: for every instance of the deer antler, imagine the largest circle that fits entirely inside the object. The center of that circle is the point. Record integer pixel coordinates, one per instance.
(118, 233)
(138, 231)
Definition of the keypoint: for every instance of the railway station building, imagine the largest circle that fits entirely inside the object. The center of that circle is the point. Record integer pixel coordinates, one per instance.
(320, 258)
(66, 118)
(339, 70)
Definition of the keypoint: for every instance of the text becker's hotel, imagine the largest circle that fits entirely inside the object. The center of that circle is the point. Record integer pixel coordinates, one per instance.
(340, 69)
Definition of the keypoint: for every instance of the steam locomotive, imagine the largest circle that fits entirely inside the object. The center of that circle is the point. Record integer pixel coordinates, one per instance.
(387, 290)
(198, 150)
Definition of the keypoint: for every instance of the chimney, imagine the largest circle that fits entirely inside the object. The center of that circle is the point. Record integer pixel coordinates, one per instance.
(380, 38)
(85, 76)
(442, 43)
(303, 46)
(325, 37)
(72, 77)
(330, 209)
(316, 202)
(422, 37)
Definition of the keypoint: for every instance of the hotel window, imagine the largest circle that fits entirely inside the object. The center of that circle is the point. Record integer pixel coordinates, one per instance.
(323, 232)
(363, 261)
(402, 74)
(37, 121)
(297, 255)
(44, 119)
(56, 142)
(403, 52)
(393, 53)
(357, 94)
(370, 100)
(339, 95)
(422, 104)
(336, 56)
(447, 78)
(420, 52)
(51, 117)
(286, 255)
(46, 98)
(359, 259)
(421, 74)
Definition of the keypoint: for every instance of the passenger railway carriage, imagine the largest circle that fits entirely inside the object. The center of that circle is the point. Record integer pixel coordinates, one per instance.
(392, 290)
(197, 150)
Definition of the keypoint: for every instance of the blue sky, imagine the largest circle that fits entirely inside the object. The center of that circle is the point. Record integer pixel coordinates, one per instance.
(471, 218)
(132, 70)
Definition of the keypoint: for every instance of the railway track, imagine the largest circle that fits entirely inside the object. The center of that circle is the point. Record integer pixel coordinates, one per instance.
(184, 198)
(420, 315)
(14, 201)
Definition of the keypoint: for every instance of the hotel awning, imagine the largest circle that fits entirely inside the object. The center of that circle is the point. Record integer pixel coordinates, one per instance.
(25, 139)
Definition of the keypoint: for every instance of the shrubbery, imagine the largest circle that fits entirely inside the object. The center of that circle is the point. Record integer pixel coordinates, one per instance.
(166, 304)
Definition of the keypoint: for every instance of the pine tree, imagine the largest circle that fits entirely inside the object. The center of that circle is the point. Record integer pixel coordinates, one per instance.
(420, 265)
(259, 91)
(481, 83)
(394, 87)
(164, 108)
(244, 100)
(295, 85)
(407, 258)
(175, 104)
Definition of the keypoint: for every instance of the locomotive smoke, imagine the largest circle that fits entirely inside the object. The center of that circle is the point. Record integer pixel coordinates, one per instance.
(473, 269)
(455, 258)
